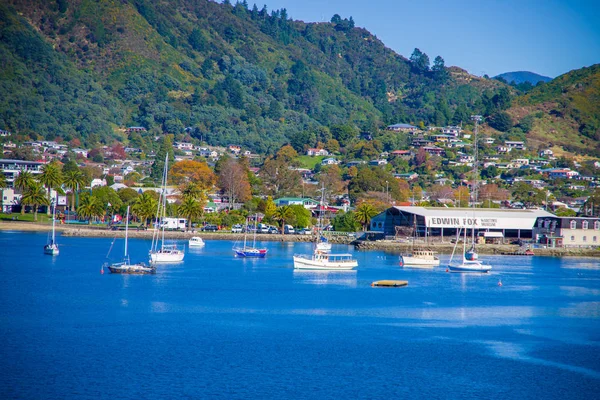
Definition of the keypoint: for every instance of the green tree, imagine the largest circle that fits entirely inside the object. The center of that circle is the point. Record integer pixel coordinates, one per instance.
(90, 207)
(501, 121)
(345, 222)
(145, 207)
(158, 166)
(191, 209)
(23, 181)
(301, 215)
(3, 182)
(420, 60)
(364, 213)
(282, 214)
(51, 178)
(73, 180)
(35, 196)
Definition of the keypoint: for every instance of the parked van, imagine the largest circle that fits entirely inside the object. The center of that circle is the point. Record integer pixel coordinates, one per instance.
(288, 230)
(174, 223)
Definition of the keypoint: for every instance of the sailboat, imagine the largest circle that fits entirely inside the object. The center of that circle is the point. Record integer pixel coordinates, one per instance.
(322, 259)
(470, 258)
(165, 253)
(125, 266)
(51, 248)
(322, 243)
(247, 251)
(419, 256)
(472, 264)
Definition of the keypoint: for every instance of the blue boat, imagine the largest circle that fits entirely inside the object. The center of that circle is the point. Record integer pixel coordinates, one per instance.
(247, 251)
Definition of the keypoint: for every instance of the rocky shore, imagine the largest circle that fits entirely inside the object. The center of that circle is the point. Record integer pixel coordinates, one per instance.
(385, 245)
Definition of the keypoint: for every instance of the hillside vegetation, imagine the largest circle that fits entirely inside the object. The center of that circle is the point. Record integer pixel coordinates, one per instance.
(237, 74)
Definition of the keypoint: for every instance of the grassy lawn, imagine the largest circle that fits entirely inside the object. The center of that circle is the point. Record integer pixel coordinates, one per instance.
(310, 162)
(27, 217)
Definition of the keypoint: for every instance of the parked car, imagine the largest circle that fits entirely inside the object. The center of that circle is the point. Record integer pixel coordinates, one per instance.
(210, 228)
(273, 230)
(248, 228)
(288, 230)
(236, 228)
(304, 231)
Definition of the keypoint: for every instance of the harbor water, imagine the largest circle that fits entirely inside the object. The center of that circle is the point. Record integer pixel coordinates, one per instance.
(216, 326)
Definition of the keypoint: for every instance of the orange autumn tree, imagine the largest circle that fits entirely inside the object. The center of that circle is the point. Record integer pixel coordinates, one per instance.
(196, 172)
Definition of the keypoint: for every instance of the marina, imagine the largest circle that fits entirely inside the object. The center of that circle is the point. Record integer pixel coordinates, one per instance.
(194, 328)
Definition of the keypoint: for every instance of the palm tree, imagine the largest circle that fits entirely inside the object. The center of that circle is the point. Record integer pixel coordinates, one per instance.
(145, 207)
(90, 207)
(51, 178)
(364, 213)
(3, 182)
(192, 190)
(190, 208)
(73, 180)
(283, 213)
(35, 196)
(22, 182)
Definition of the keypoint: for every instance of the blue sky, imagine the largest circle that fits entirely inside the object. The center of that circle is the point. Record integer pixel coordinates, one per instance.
(548, 37)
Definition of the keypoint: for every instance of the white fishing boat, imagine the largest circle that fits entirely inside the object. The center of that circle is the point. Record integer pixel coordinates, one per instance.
(125, 266)
(51, 248)
(323, 260)
(196, 241)
(419, 257)
(160, 252)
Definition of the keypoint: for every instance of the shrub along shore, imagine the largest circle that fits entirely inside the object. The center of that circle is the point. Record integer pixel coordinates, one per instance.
(386, 245)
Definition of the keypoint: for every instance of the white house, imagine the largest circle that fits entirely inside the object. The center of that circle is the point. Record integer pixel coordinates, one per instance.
(329, 161)
(317, 152)
(546, 153)
(97, 182)
(515, 145)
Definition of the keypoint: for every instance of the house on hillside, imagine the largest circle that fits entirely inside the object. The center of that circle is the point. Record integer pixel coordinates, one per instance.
(135, 129)
(402, 128)
(515, 145)
(317, 152)
(303, 201)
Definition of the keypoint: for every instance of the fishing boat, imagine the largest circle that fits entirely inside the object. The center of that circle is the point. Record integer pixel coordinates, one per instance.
(196, 241)
(125, 266)
(51, 248)
(160, 252)
(470, 258)
(250, 251)
(323, 260)
(419, 257)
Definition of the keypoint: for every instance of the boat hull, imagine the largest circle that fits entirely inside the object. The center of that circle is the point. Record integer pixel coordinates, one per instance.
(306, 263)
(196, 243)
(166, 257)
(470, 267)
(135, 269)
(51, 250)
(259, 253)
(408, 261)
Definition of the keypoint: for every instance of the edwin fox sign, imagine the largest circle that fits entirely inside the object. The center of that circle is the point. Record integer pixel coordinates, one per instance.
(479, 222)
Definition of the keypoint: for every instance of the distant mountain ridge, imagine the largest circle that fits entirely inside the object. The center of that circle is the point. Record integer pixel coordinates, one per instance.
(523, 76)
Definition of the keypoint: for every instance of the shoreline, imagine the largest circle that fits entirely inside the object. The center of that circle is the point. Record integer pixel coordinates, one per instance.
(390, 246)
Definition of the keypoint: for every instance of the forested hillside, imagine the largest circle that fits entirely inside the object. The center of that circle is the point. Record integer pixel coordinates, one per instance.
(230, 74)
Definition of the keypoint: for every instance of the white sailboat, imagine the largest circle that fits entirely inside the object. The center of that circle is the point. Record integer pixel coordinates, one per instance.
(165, 253)
(125, 266)
(472, 264)
(51, 248)
(322, 259)
(247, 251)
(470, 259)
(419, 257)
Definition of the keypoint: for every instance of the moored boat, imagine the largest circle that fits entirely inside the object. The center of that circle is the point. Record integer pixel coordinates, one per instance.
(325, 261)
(196, 241)
(51, 248)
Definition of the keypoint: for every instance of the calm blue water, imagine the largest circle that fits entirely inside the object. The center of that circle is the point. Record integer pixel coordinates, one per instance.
(217, 326)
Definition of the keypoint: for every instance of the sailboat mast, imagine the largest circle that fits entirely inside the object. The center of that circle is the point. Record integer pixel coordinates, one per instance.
(53, 221)
(164, 199)
(126, 232)
(477, 119)
(255, 229)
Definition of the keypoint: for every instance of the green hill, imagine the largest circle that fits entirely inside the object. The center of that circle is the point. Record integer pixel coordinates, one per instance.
(227, 74)
(564, 112)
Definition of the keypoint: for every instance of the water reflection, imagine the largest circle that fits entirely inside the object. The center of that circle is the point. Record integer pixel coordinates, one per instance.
(341, 278)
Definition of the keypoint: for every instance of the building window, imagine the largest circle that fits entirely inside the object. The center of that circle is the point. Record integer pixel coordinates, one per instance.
(595, 239)
(573, 224)
(572, 238)
(584, 225)
(596, 225)
(585, 238)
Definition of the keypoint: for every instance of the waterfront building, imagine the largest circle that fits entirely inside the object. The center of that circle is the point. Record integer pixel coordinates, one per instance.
(441, 221)
(556, 231)
(12, 168)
